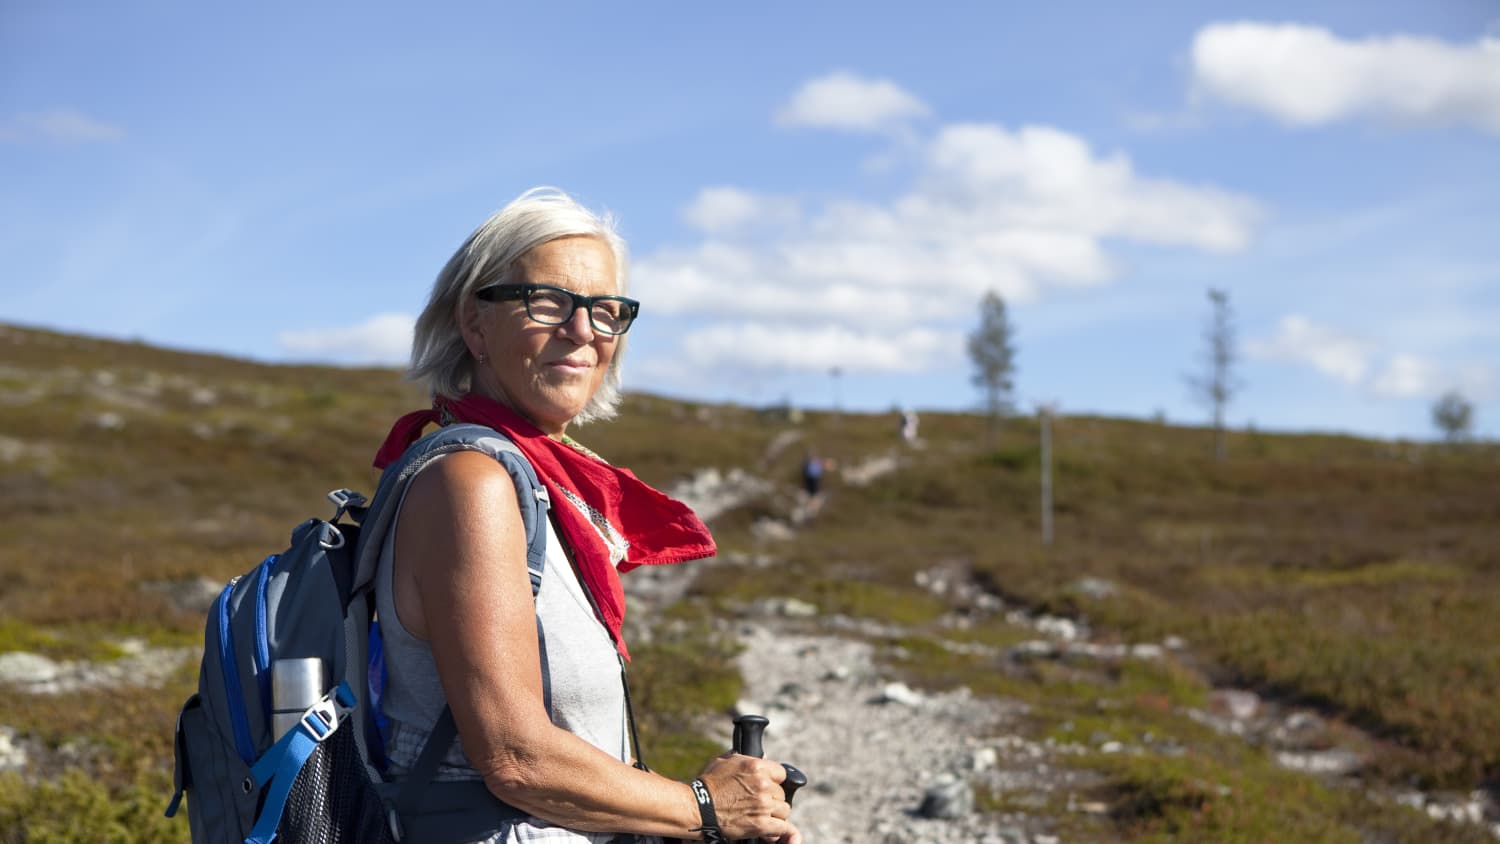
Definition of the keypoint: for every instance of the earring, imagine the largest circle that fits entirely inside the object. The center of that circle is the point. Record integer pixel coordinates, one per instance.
(481, 357)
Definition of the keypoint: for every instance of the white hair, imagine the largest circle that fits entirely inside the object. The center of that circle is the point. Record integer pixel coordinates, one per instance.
(439, 357)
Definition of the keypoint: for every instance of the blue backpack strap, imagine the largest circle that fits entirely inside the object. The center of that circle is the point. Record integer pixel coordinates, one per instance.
(534, 501)
(280, 765)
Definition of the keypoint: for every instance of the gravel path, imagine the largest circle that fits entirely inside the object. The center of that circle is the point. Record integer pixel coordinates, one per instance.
(871, 748)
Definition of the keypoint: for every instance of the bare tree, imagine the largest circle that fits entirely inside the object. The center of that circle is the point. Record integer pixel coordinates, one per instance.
(1454, 416)
(1217, 384)
(992, 349)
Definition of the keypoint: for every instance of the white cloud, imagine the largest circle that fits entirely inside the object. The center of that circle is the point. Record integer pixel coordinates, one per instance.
(1300, 340)
(1407, 376)
(765, 347)
(843, 100)
(1041, 176)
(1356, 362)
(1412, 376)
(723, 209)
(1020, 212)
(1305, 75)
(381, 339)
(64, 125)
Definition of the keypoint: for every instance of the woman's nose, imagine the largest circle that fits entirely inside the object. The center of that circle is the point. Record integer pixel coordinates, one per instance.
(578, 328)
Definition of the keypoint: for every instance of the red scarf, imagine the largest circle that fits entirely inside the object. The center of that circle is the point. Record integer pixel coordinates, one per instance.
(658, 529)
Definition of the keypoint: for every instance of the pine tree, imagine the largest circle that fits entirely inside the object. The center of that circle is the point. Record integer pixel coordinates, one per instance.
(1453, 415)
(992, 349)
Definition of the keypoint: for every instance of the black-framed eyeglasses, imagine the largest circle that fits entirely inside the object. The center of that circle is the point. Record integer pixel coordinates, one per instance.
(550, 305)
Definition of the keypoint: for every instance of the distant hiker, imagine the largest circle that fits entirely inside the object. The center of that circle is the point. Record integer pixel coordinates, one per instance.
(909, 426)
(813, 468)
(522, 333)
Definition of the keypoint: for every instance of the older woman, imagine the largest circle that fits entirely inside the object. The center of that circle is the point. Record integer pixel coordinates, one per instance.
(523, 332)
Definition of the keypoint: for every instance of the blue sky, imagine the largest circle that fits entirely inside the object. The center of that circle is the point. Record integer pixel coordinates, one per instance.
(805, 188)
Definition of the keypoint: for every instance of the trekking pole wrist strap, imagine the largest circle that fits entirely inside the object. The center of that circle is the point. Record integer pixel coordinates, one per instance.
(709, 821)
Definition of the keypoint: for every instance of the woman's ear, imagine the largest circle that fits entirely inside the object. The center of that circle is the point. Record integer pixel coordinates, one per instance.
(471, 325)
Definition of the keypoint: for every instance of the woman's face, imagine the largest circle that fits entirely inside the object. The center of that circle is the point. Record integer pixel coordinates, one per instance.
(547, 373)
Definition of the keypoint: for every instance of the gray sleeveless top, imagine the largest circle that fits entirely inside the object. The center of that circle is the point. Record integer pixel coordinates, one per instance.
(580, 669)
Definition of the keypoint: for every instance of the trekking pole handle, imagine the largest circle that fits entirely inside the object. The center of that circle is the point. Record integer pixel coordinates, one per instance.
(795, 779)
(748, 732)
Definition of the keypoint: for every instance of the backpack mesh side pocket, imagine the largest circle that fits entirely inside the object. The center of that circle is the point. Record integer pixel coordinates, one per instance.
(333, 801)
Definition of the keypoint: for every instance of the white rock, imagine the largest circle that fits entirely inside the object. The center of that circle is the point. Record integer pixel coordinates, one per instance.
(12, 754)
(793, 608)
(1146, 651)
(949, 798)
(772, 530)
(1095, 587)
(1338, 761)
(25, 669)
(836, 673)
(983, 759)
(1238, 704)
(1060, 628)
(900, 693)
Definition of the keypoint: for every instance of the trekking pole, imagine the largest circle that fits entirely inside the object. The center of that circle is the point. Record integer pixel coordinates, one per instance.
(748, 730)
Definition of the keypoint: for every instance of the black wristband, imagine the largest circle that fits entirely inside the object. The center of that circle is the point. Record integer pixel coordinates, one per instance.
(710, 821)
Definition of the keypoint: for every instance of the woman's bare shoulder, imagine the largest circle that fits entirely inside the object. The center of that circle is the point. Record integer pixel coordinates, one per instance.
(460, 480)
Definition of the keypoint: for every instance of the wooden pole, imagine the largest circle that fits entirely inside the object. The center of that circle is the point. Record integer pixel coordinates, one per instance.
(1045, 416)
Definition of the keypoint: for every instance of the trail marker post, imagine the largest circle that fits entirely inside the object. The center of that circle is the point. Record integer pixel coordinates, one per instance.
(1044, 416)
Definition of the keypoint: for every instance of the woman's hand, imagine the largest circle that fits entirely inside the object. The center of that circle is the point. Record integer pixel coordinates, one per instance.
(748, 798)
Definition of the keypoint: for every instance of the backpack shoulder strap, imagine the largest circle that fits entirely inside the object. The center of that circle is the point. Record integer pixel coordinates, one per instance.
(530, 492)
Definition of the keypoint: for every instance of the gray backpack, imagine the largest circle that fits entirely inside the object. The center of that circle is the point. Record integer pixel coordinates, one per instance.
(291, 646)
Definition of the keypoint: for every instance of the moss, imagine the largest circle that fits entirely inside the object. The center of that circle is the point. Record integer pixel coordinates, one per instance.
(58, 643)
(680, 755)
(1189, 797)
(1243, 798)
(1164, 680)
(897, 605)
(77, 809)
(1014, 459)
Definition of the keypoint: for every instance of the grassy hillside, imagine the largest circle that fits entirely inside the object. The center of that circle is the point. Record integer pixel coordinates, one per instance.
(1357, 576)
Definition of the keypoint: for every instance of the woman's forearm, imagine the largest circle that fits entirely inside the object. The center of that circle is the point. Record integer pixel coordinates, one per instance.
(562, 779)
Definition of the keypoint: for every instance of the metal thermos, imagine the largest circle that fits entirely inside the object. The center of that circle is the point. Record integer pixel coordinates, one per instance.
(296, 684)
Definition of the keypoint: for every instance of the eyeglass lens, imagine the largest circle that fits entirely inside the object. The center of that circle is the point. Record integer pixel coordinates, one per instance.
(555, 307)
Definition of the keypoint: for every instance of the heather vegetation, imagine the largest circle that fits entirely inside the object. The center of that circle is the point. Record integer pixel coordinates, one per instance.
(1352, 576)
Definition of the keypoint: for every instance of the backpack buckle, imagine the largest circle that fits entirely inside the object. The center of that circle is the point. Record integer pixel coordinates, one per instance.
(320, 720)
(346, 500)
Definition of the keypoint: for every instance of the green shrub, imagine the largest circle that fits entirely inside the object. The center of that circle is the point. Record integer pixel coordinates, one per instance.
(77, 809)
